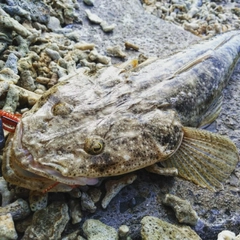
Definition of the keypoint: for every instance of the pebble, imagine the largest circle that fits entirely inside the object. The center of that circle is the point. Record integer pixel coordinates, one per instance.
(8, 22)
(95, 56)
(90, 65)
(107, 27)
(12, 99)
(75, 211)
(204, 19)
(26, 81)
(28, 96)
(75, 193)
(11, 63)
(226, 235)
(93, 17)
(155, 228)
(182, 208)
(87, 203)
(132, 46)
(5, 193)
(84, 46)
(8, 75)
(26, 63)
(113, 187)
(7, 229)
(43, 80)
(95, 194)
(18, 209)
(53, 54)
(116, 51)
(123, 231)
(89, 2)
(96, 230)
(65, 11)
(23, 45)
(37, 200)
(22, 225)
(53, 24)
(48, 223)
(4, 41)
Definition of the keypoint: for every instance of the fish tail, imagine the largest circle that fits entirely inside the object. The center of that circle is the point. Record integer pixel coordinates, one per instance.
(205, 158)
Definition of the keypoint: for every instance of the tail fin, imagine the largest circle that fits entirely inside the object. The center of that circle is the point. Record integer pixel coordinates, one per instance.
(205, 158)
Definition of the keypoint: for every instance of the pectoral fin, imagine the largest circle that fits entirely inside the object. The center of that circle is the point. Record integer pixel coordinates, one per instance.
(205, 158)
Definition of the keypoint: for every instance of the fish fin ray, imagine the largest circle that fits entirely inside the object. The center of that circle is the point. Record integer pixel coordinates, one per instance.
(205, 158)
(212, 112)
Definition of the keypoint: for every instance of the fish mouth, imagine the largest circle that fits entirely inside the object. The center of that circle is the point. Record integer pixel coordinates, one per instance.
(26, 166)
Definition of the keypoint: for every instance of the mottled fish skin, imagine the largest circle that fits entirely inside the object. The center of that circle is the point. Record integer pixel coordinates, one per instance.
(116, 122)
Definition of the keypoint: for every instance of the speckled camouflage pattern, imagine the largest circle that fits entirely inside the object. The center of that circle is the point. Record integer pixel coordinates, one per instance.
(115, 122)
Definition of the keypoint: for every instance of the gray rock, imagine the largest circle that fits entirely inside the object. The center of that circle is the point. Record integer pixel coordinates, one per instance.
(5, 193)
(156, 229)
(182, 208)
(26, 80)
(11, 100)
(12, 63)
(89, 2)
(87, 203)
(10, 23)
(53, 54)
(96, 230)
(37, 200)
(54, 24)
(48, 223)
(18, 209)
(75, 211)
(16, 10)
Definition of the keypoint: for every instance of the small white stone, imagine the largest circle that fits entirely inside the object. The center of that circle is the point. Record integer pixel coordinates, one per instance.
(226, 235)
(123, 231)
(93, 17)
(106, 27)
(53, 23)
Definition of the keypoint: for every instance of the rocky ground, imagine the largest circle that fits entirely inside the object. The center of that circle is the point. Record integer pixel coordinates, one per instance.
(48, 48)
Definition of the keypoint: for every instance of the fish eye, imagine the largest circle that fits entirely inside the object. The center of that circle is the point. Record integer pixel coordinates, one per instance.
(94, 145)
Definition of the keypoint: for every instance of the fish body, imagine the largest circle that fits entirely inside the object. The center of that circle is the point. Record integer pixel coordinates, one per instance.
(116, 121)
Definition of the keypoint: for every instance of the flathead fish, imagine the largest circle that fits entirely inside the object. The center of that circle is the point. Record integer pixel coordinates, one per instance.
(117, 121)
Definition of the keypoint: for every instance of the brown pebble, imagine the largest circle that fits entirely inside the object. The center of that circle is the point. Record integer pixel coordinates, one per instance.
(130, 46)
(43, 80)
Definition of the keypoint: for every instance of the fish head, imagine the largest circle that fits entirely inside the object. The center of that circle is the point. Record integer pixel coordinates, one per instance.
(76, 150)
(75, 139)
